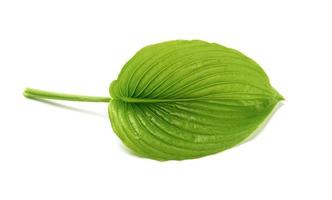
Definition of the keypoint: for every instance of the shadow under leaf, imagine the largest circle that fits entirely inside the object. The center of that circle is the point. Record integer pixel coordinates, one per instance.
(59, 105)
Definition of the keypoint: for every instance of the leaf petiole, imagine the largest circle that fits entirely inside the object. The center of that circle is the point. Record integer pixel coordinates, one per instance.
(42, 94)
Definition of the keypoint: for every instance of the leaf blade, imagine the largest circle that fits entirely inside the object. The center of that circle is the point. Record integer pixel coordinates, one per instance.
(187, 99)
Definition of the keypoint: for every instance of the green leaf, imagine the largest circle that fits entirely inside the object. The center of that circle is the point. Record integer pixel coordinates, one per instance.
(187, 99)
(184, 99)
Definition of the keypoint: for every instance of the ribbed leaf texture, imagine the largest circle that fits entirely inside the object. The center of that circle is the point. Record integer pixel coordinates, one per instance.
(187, 99)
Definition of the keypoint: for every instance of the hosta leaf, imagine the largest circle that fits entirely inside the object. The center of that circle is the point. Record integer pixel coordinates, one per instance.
(187, 99)
(184, 99)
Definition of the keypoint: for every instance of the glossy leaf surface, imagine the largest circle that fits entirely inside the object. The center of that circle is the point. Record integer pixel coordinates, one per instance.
(187, 99)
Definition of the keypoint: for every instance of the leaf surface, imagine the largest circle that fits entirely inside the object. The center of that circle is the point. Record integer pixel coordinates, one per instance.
(186, 99)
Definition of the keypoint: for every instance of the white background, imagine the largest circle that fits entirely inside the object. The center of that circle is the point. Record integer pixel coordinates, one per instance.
(53, 152)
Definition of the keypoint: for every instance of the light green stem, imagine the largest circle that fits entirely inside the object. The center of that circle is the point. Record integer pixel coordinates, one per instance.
(41, 94)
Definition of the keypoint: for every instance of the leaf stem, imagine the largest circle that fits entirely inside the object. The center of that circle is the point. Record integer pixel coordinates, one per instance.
(42, 94)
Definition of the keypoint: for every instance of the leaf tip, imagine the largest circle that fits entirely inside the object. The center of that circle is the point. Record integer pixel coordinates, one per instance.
(278, 96)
